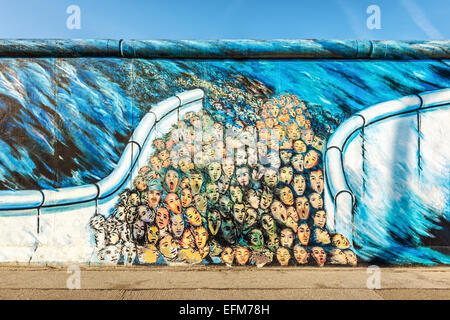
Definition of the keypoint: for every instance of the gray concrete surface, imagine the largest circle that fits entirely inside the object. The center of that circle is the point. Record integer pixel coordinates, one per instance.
(213, 282)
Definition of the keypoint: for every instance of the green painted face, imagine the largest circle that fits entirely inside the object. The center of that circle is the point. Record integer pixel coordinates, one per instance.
(256, 239)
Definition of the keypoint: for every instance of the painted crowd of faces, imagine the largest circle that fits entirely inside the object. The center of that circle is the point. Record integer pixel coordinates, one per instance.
(241, 195)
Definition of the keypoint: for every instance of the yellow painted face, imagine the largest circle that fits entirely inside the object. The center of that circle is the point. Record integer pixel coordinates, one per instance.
(316, 200)
(168, 247)
(341, 242)
(319, 255)
(283, 256)
(293, 131)
(299, 146)
(152, 234)
(227, 256)
(286, 196)
(286, 174)
(193, 216)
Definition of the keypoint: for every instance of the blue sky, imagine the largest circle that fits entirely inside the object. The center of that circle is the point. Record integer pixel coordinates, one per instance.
(230, 19)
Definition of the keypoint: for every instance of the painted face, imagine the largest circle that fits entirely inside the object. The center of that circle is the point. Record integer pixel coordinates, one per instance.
(250, 218)
(120, 214)
(162, 218)
(321, 236)
(316, 181)
(140, 183)
(302, 207)
(229, 231)
(299, 184)
(243, 176)
(256, 239)
(300, 254)
(299, 146)
(193, 216)
(225, 204)
(297, 162)
(316, 200)
(215, 248)
(273, 109)
(293, 131)
(159, 144)
(270, 178)
(227, 256)
(351, 258)
(200, 237)
(177, 225)
(340, 242)
(308, 136)
(98, 221)
(285, 156)
(110, 254)
(236, 194)
(187, 239)
(266, 200)
(228, 167)
(152, 234)
(186, 197)
(214, 222)
(292, 213)
(153, 197)
(320, 218)
(214, 171)
(186, 164)
(145, 214)
(338, 257)
(286, 174)
(223, 184)
(168, 247)
(134, 200)
(283, 256)
(155, 163)
(185, 183)
(212, 192)
(252, 198)
(241, 157)
(201, 202)
(242, 255)
(239, 212)
(303, 233)
(268, 224)
(300, 119)
(173, 203)
(318, 143)
(280, 132)
(286, 196)
(311, 159)
(196, 182)
(319, 255)
(278, 211)
(287, 238)
(171, 180)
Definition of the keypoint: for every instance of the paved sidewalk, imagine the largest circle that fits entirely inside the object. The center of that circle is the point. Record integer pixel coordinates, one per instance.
(213, 282)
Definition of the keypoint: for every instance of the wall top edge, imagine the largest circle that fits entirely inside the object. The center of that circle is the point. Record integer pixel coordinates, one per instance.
(226, 49)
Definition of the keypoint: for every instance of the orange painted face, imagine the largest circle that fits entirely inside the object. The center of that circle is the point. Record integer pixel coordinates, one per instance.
(242, 255)
(173, 203)
(227, 256)
(303, 233)
(283, 256)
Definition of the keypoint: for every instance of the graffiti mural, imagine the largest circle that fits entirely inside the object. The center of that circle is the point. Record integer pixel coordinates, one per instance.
(136, 160)
(235, 194)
